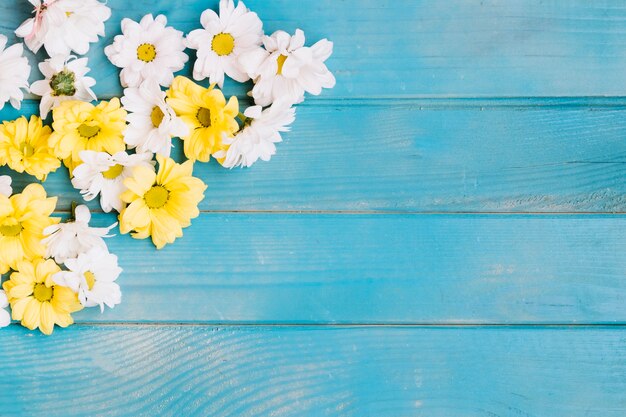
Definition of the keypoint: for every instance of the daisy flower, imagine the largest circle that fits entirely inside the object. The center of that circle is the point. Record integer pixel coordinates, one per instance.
(207, 114)
(5, 186)
(24, 147)
(286, 69)
(261, 131)
(5, 317)
(92, 275)
(152, 122)
(14, 73)
(23, 217)
(104, 174)
(65, 80)
(236, 30)
(162, 204)
(68, 240)
(37, 300)
(63, 26)
(80, 126)
(148, 50)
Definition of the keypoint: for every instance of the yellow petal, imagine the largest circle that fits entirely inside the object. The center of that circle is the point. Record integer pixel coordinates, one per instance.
(21, 291)
(19, 306)
(47, 318)
(135, 215)
(31, 314)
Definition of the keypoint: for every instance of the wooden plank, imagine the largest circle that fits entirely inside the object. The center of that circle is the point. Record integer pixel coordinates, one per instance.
(447, 156)
(410, 48)
(289, 268)
(299, 371)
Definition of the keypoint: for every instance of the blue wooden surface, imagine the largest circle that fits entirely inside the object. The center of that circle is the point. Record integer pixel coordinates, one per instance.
(457, 200)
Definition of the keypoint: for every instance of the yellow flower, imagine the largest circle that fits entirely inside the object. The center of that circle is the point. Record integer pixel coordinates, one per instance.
(24, 147)
(206, 113)
(161, 204)
(36, 300)
(80, 126)
(23, 217)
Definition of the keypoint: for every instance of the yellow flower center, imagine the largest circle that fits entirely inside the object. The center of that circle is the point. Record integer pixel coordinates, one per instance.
(68, 14)
(113, 172)
(157, 116)
(42, 293)
(204, 117)
(156, 197)
(223, 44)
(11, 230)
(90, 277)
(281, 61)
(88, 131)
(27, 150)
(146, 52)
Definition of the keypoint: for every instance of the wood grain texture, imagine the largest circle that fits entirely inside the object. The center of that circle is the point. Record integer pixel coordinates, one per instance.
(478, 106)
(409, 48)
(445, 156)
(290, 268)
(351, 372)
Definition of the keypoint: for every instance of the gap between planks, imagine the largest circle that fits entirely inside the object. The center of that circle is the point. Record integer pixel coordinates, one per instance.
(436, 102)
(347, 325)
(397, 212)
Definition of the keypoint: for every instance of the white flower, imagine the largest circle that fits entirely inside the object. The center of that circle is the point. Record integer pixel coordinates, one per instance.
(65, 80)
(152, 122)
(63, 26)
(257, 139)
(5, 317)
(92, 276)
(147, 51)
(68, 240)
(104, 174)
(5, 186)
(14, 73)
(286, 69)
(236, 30)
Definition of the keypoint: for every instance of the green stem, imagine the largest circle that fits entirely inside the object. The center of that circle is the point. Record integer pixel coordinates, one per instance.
(242, 117)
(73, 212)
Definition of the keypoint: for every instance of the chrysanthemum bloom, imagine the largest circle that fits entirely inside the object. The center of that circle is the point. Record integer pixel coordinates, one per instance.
(103, 174)
(207, 115)
(65, 79)
(5, 186)
(148, 50)
(259, 135)
(23, 217)
(80, 126)
(14, 73)
(24, 147)
(286, 69)
(223, 38)
(92, 275)
(35, 298)
(152, 123)
(67, 240)
(160, 205)
(63, 26)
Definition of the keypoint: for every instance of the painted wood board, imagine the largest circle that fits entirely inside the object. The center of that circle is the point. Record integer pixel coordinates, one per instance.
(409, 48)
(446, 156)
(332, 268)
(301, 371)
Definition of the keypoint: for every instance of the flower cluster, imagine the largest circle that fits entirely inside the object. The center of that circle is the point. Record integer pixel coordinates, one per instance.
(118, 151)
(34, 245)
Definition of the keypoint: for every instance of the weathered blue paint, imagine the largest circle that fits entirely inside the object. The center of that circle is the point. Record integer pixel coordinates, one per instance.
(457, 156)
(314, 372)
(338, 268)
(418, 191)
